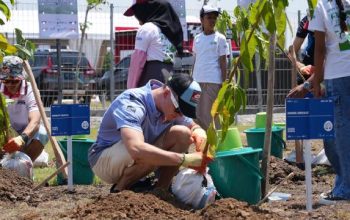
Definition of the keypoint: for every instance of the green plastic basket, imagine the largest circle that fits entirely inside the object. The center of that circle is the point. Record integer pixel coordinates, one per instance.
(260, 120)
(231, 141)
(256, 138)
(82, 173)
(237, 174)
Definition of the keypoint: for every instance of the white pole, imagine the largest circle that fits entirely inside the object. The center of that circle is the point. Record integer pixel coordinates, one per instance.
(70, 167)
(308, 181)
(111, 69)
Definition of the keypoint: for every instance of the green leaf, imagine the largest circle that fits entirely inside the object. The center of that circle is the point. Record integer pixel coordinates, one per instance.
(5, 10)
(254, 14)
(4, 122)
(256, 11)
(10, 49)
(221, 97)
(25, 52)
(268, 17)
(248, 50)
(3, 42)
(25, 48)
(244, 53)
(243, 97)
(281, 21)
(19, 37)
(211, 139)
(281, 3)
(312, 5)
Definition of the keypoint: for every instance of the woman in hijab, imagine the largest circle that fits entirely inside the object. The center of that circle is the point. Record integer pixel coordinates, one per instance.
(158, 38)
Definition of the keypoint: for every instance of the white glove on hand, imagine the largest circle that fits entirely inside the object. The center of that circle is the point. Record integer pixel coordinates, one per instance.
(19, 140)
(200, 138)
(193, 160)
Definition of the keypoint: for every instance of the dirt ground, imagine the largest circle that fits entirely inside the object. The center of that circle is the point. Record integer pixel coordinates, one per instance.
(18, 201)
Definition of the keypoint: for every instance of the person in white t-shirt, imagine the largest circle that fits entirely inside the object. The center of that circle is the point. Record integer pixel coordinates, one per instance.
(157, 40)
(210, 50)
(331, 24)
(23, 111)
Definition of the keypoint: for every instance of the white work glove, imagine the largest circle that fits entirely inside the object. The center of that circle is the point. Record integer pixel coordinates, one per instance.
(192, 160)
(199, 138)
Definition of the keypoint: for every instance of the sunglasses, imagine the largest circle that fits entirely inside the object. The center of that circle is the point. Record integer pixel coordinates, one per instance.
(11, 81)
(175, 103)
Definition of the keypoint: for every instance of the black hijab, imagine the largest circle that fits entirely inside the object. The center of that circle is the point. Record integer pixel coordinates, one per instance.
(162, 14)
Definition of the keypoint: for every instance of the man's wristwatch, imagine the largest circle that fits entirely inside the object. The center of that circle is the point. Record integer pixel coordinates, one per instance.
(307, 85)
(25, 138)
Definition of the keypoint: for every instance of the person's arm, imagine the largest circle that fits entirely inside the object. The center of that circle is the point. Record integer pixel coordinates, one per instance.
(199, 136)
(293, 53)
(137, 62)
(15, 143)
(223, 67)
(298, 41)
(33, 125)
(142, 152)
(320, 51)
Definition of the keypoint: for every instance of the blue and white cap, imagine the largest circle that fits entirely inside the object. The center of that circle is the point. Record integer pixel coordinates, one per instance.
(12, 66)
(188, 93)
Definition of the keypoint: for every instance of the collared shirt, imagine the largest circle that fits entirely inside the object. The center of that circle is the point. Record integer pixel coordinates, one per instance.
(135, 109)
(21, 106)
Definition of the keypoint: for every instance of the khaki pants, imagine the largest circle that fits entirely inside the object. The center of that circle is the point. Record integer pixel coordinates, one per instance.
(113, 161)
(209, 93)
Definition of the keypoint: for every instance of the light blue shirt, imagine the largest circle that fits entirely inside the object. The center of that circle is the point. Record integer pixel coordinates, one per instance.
(134, 108)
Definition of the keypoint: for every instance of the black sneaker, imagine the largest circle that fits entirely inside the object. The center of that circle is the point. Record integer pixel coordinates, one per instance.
(144, 185)
(114, 189)
(328, 198)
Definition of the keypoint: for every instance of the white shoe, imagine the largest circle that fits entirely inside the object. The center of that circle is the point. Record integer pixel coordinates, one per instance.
(328, 198)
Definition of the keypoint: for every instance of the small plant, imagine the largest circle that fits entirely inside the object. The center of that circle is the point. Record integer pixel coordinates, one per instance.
(251, 31)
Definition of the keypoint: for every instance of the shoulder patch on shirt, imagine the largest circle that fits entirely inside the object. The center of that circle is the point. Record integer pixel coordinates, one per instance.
(131, 108)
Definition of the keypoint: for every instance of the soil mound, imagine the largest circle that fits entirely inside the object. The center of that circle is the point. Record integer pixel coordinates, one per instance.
(233, 209)
(280, 169)
(130, 205)
(14, 187)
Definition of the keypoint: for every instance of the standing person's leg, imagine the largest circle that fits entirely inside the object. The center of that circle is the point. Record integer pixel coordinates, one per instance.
(209, 93)
(299, 151)
(339, 89)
